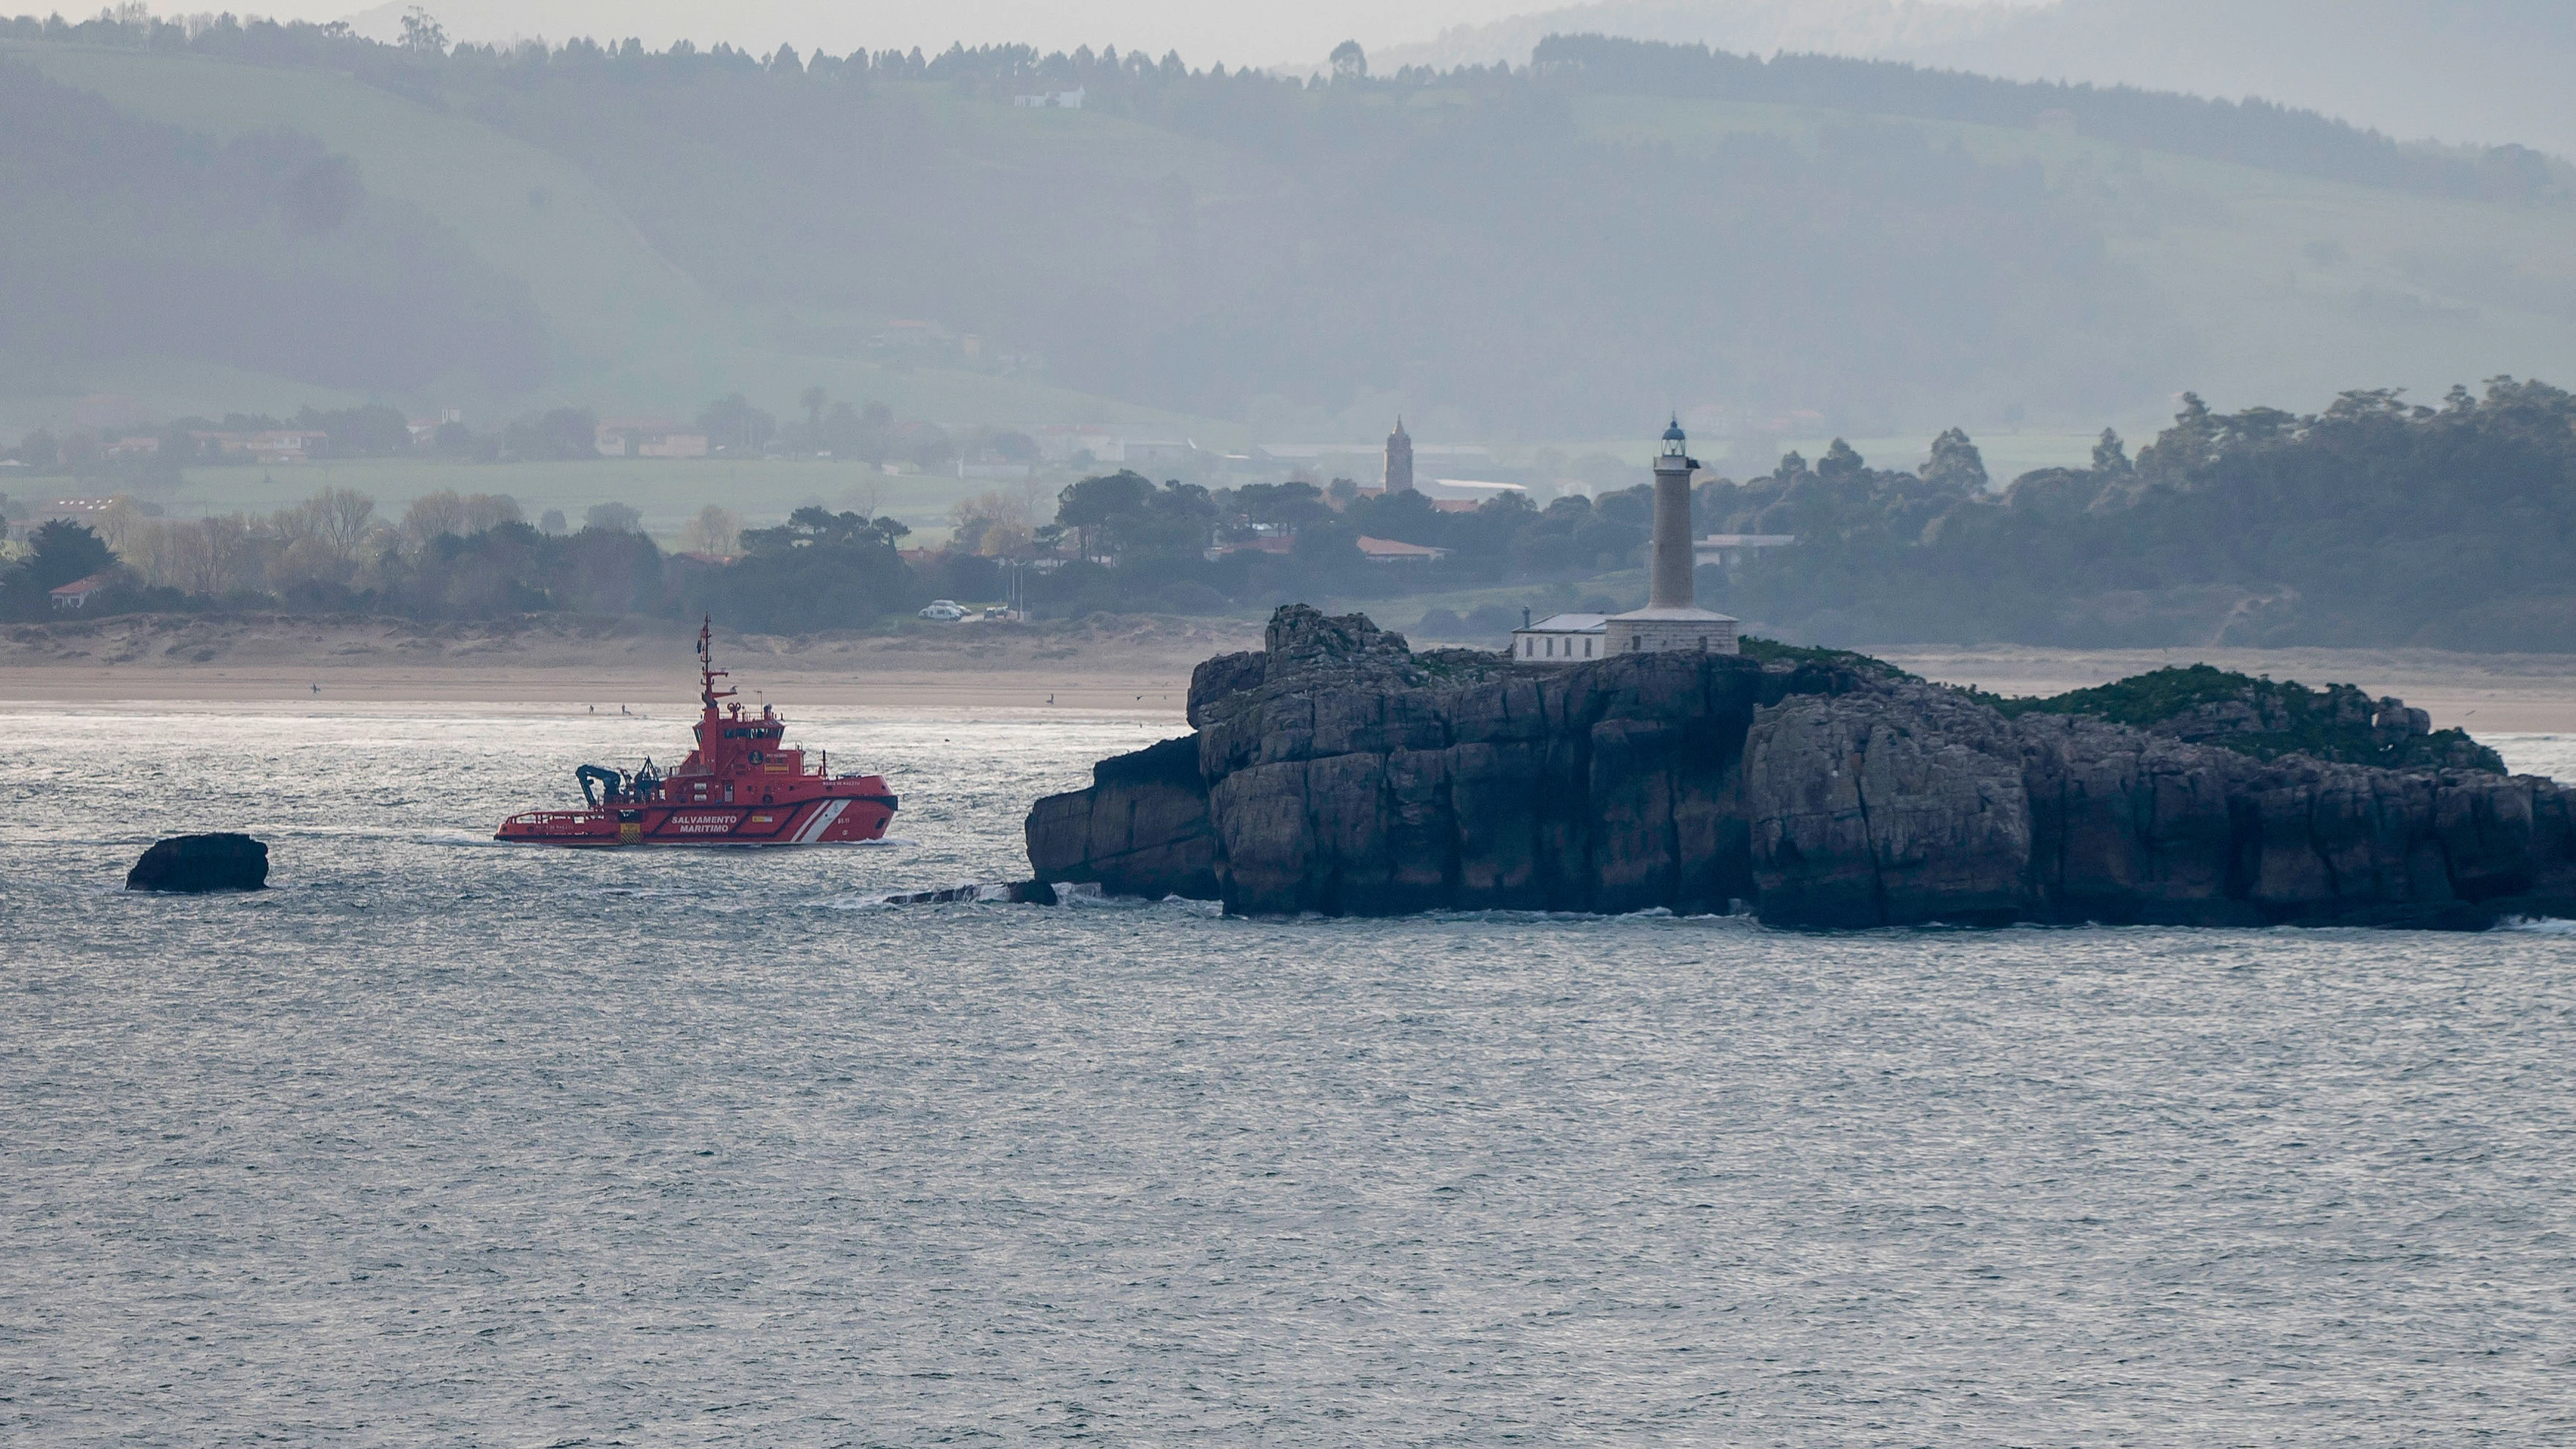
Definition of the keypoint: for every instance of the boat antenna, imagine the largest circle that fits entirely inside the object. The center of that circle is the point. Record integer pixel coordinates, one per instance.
(708, 674)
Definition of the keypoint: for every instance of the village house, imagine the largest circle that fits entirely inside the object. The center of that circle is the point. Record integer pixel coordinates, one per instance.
(648, 438)
(1729, 550)
(1270, 543)
(1051, 100)
(1466, 495)
(76, 593)
(680, 567)
(421, 431)
(1559, 638)
(1062, 442)
(1389, 551)
(287, 445)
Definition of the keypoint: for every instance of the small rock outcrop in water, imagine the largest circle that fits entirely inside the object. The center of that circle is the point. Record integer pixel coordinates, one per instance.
(1338, 772)
(195, 863)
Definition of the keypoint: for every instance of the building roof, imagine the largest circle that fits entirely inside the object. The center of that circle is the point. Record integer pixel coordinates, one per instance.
(78, 587)
(1567, 624)
(1677, 616)
(1748, 540)
(1390, 548)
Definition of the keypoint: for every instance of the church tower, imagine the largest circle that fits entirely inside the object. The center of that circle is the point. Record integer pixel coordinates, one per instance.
(1399, 460)
(1672, 618)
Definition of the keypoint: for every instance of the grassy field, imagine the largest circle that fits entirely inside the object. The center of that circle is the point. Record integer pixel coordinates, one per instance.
(634, 332)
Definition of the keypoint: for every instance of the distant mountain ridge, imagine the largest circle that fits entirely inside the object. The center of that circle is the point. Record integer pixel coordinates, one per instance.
(1870, 28)
(1778, 250)
(2251, 132)
(2467, 71)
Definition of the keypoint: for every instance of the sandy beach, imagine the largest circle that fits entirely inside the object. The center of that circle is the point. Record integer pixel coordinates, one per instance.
(1138, 664)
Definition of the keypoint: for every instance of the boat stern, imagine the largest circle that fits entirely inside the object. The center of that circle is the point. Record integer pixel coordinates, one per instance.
(573, 827)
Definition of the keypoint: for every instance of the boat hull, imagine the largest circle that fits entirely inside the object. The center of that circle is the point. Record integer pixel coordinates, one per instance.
(829, 820)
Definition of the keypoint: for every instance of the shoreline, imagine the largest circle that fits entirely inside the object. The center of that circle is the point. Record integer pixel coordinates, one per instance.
(538, 690)
(1133, 665)
(1136, 665)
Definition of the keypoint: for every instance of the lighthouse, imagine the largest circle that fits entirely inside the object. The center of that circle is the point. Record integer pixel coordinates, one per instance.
(1672, 619)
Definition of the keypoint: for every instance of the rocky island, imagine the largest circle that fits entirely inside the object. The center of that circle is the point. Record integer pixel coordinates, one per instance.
(1336, 771)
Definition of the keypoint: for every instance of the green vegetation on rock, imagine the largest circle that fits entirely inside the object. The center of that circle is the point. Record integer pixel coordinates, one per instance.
(1772, 651)
(2266, 719)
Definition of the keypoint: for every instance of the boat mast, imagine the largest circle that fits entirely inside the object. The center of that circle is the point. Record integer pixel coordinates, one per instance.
(711, 757)
(708, 674)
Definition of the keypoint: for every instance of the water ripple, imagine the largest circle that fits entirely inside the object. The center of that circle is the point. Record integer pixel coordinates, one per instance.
(504, 1145)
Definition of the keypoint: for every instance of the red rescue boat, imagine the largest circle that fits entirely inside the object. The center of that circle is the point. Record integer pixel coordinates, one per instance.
(740, 786)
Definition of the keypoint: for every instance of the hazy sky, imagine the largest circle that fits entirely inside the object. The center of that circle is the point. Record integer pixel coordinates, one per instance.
(1237, 32)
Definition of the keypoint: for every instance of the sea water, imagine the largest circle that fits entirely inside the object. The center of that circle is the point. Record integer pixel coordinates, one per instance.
(445, 1142)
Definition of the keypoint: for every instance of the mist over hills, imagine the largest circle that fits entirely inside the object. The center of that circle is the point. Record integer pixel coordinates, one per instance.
(2476, 71)
(1799, 246)
(134, 238)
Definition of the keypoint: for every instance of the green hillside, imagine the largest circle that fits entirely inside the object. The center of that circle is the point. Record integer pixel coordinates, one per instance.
(1525, 256)
(631, 331)
(2258, 286)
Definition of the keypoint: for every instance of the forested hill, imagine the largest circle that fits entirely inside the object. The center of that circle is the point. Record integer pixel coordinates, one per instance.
(2374, 522)
(2251, 132)
(1543, 252)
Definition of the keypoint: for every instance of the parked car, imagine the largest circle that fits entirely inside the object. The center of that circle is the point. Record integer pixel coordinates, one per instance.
(997, 611)
(946, 611)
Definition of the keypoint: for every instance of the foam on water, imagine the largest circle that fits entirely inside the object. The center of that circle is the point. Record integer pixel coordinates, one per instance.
(2542, 927)
(527, 1146)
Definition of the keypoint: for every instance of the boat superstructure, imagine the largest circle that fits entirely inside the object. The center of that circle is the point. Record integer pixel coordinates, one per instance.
(742, 785)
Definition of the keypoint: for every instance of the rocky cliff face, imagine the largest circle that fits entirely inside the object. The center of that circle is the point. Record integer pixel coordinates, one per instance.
(1338, 772)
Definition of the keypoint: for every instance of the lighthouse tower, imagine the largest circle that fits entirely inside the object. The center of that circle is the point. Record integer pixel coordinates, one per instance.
(1672, 618)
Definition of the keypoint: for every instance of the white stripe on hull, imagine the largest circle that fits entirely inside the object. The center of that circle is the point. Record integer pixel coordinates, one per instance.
(821, 822)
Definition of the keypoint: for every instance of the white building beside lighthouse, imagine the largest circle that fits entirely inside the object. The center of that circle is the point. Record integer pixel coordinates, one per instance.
(1672, 619)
